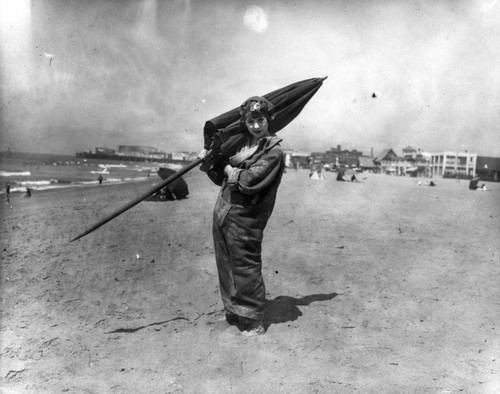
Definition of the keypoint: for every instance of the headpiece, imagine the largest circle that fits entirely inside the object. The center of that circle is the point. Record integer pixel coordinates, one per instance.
(256, 107)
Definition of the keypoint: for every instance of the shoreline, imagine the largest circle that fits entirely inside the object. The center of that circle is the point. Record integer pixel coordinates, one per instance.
(69, 187)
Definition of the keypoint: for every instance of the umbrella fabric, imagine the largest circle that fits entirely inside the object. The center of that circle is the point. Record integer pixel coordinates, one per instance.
(226, 132)
(177, 189)
(345, 174)
(164, 172)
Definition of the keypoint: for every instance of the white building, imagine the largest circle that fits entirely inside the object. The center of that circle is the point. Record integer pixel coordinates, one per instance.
(452, 164)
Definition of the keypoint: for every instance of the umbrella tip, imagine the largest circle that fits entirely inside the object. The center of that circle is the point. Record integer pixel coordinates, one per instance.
(76, 238)
(323, 78)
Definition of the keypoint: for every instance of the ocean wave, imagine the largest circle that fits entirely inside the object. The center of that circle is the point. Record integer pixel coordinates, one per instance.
(20, 187)
(112, 165)
(21, 173)
(135, 179)
(173, 166)
(38, 183)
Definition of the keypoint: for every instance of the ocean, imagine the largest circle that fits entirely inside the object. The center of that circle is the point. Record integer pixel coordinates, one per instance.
(49, 171)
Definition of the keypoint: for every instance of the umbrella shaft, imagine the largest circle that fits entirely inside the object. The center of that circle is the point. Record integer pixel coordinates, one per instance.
(142, 197)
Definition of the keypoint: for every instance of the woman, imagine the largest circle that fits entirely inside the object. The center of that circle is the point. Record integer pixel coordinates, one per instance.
(249, 183)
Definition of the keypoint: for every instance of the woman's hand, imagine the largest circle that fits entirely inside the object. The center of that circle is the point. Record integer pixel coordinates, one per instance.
(203, 154)
(228, 168)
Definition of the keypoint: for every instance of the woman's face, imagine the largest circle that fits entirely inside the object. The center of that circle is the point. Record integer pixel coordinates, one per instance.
(258, 127)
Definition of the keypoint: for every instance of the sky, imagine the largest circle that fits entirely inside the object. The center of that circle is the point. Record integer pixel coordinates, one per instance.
(80, 74)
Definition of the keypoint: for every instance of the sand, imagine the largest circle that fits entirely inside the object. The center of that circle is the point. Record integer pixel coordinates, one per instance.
(377, 286)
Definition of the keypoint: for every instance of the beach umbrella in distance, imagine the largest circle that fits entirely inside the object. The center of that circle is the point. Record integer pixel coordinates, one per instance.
(474, 182)
(178, 188)
(226, 131)
(345, 174)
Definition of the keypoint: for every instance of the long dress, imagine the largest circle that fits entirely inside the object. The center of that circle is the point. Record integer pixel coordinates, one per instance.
(244, 205)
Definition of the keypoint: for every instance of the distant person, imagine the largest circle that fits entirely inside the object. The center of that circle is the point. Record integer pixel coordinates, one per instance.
(340, 174)
(473, 184)
(316, 171)
(28, 192)
(100, 178)
(165, 194)
(7, 191)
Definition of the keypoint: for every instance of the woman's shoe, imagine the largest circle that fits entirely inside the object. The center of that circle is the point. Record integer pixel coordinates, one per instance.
(232, 319)
(256, 328)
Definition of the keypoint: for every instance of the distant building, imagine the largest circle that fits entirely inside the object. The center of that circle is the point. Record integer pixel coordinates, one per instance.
(389, 162)
(138, 150)
(104, 151)
(318, 157)
(488, 168)
(366, 163)
(300, 159)
(339, 157)
(126, 152)
(452, 164)
(413, 162)
(288, 156)
(417, 162)
(409, 153)
(180, 157)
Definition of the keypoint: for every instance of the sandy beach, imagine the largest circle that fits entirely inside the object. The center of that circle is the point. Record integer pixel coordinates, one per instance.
(378, 286)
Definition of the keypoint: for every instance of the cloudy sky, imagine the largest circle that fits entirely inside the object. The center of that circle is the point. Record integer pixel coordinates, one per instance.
(81, 74)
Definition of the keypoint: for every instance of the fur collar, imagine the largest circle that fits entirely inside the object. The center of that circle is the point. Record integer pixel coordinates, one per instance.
(264, 144)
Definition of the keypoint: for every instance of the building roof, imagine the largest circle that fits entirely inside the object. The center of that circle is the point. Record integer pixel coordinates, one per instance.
(488, 163)
(366, 162)
(385, 153)
(350, 161)
(409, 149)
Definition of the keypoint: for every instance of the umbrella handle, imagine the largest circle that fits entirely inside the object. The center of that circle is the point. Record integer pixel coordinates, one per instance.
(143, 196)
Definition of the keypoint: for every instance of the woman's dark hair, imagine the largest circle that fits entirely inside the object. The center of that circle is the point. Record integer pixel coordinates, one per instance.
(255, 107)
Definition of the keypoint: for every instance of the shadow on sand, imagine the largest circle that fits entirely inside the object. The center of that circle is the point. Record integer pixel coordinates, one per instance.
(284, 308)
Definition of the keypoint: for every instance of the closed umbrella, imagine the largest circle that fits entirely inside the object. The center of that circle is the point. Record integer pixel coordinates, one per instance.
(223, 134)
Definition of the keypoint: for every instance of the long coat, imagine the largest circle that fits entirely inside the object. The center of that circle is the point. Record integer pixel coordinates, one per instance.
(244, 205)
